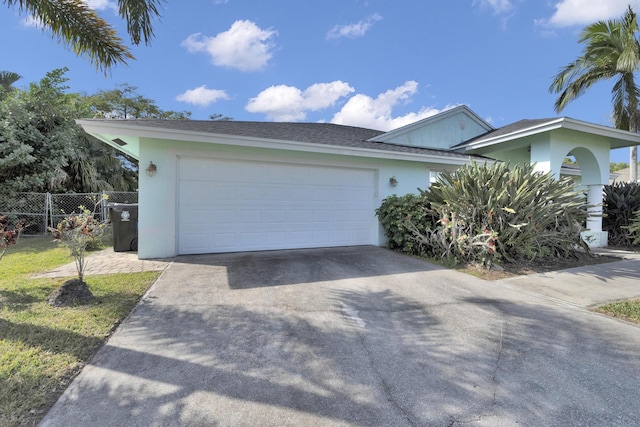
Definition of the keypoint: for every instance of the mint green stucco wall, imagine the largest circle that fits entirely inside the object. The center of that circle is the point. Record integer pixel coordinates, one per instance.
(158, 195)
(441, 134)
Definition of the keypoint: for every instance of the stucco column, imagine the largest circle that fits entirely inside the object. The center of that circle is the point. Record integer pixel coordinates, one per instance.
(594, 236)
(594, 198)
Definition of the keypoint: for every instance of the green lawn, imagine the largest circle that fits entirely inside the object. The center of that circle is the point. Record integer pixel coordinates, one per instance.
(627, 310)
(41, 347)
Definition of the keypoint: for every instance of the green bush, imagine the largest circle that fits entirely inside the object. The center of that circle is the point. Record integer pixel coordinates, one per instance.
(621, 200)
(399, 214)
(488, 213)
(633, 229)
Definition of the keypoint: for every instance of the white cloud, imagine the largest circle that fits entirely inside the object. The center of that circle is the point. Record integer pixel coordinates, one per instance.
(245, 46)
(365, 111)
(498, 6)
(583, 12)
(353, 30)
(202, 96)
(288, 103)
(102, 4)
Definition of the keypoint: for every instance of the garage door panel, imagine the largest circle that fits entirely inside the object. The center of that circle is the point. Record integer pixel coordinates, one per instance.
(228, 205)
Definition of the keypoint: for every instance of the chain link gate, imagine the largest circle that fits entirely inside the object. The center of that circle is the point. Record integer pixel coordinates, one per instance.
(42, 210)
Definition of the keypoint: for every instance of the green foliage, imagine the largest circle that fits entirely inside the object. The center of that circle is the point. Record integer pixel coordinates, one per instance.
(7, 79)
(399, 214)
(489, 213)
(78, 25)
(35, 129)
(621, 200)
(125, 102)
(43, 150)
(79, 232)
(616, 166)
(633, 229)
(628, 310)
(610, 50)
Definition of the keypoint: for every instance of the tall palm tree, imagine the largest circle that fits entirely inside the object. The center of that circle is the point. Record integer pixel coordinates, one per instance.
(80, 27)
(7, 79)
(611, 50)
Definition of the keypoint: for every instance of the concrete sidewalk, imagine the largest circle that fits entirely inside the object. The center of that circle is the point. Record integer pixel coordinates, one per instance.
(586, 286)
(109, 262)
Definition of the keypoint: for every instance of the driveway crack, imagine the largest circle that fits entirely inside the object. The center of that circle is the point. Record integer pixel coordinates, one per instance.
(494, 379)
(385, 386)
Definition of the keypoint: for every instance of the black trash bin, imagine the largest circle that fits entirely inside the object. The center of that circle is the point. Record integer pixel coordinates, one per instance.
(124, 220)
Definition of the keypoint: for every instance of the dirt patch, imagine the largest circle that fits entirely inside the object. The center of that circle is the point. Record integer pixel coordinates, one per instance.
(70, 293)
(536, 266)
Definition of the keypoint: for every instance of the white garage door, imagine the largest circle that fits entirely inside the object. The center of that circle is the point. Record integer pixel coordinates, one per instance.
(231, 205)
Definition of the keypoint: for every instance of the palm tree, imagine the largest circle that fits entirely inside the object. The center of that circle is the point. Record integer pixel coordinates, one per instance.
(80, 27)
(8, 78)
(611, 50)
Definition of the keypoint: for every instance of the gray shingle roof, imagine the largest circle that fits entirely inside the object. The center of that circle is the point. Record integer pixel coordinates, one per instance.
(506, 130)
(314, 133)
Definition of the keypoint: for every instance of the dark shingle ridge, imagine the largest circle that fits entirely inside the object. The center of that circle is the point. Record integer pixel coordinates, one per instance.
(312, 133)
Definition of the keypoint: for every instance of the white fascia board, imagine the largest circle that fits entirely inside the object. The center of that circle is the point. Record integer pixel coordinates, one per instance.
(522, 133)
(95, 129)
(561, 123)
(623, 136)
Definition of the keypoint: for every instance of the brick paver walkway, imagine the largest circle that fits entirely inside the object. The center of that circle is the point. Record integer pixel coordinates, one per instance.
(109, 262)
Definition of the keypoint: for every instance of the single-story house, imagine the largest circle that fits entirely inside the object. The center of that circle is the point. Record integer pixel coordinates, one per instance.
(229, 186)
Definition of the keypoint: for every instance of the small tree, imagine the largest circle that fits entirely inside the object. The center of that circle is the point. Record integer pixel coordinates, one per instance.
(75, 232)
(8, 237)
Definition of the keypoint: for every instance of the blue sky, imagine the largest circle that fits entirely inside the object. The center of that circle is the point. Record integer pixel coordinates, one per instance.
(372, 63)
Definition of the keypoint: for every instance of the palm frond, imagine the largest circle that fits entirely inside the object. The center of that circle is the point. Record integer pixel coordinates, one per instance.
(80, 27)
(139, 15)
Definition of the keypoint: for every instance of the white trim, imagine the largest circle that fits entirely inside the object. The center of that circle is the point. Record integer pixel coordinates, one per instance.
(559, 123)
(140, 131)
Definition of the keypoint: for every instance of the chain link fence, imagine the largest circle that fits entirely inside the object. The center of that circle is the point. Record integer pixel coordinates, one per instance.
(43, 210)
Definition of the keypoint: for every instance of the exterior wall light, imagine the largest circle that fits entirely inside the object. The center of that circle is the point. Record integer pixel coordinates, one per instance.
(393, 181)
(152, 169)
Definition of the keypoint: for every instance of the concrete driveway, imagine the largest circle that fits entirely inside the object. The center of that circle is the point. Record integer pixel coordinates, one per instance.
(353, 336)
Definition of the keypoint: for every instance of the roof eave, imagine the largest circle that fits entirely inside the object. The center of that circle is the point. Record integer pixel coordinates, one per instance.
(104, 131)
(625, 138)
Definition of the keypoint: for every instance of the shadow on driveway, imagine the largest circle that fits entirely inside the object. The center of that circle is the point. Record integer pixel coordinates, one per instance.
(275, 268)
(412, 345)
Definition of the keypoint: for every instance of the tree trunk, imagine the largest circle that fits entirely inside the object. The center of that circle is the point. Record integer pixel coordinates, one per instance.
(633, 150)
(633, 164)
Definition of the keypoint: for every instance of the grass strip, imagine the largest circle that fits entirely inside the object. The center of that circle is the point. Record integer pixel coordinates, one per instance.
(628, 310)
(42, 348)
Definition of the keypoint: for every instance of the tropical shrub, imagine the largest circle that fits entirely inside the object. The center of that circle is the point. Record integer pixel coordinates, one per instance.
(77, 231)
(399, 214)
(620, 201)
(633, 229)
(8, 236)
(488, 213)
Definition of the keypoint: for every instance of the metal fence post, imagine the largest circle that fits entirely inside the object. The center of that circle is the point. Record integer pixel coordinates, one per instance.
(48, 219)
